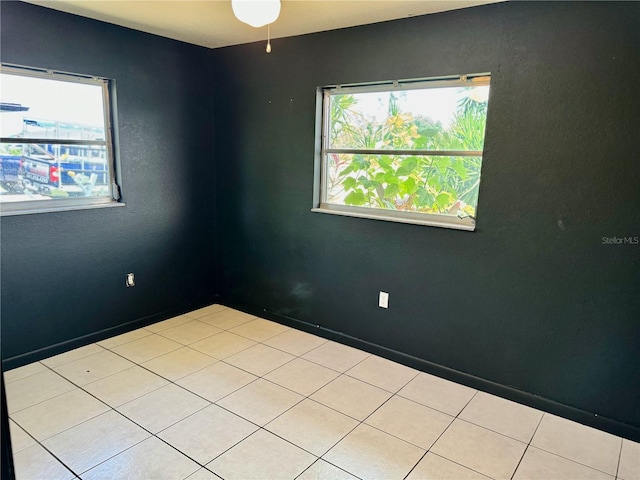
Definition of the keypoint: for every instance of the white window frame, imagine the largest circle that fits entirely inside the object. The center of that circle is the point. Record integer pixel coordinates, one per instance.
(109, 143)
(322, 150)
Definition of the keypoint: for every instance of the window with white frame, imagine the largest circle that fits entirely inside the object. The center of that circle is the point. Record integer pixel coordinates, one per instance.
(406, 151)
(56, 141)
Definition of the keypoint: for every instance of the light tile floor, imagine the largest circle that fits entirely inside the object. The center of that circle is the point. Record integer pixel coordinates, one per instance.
(217, 393)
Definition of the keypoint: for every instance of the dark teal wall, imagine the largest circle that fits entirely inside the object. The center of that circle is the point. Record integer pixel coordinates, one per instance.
(532, 299)
(63, 274)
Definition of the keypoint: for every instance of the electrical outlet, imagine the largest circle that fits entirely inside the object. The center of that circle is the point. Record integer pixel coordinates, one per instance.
(383, 300)
(131, 280)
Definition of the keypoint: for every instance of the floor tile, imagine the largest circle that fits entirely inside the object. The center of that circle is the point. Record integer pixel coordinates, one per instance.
(150, 459)
(438, 393)
(72, 355)
(351, 397)
(161, 408)
(112, 342)
(223, 345)
(480, 449)
(203, 474)
(538, 464)
(312, 426)
(23, 372)
(124, 386)
(260, 401)
(591, 447)
(94, 441)
(259, 329)
(146, 348)
(410, 421)
(59, 413)
(35, 463)
(227, 319)
(382, 373)
(438, 468)
(207, 433)
(629, 468)
(169, 323)
(216, 381)
(322, 470)
(335, 356)
(189, 332)
(502, 416)
(371, 454)
(208, 310)
(259, 359)
(295, 342)
(302, 376)
(19, 438)
(34, 389)
(179, 363)
(94, 367)
(262, 456)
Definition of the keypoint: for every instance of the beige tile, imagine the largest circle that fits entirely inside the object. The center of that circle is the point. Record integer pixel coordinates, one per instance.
(586, 445)
(227, 319)
(35, 463)
(179, 363)
(36, 388)
(207, 433)
(302, 376)
(433, 467)
(223, 345)
(410, 421)
(351, 397)
(59, 413)
(262, 456)
(438, 393)
(203, 474)
(208, 310)
(190, 332)
(629, 468)
(161, 408)
(94, 367)
(146, 348)
(335, 356)
(295, 342)
(480, 449)
(322, 470)
(169, 323)
(94, 441)
(382, 373)
(23, 372)
(370, 453)
(538, 464)
(124, 386)
(150, 459)
(259, 329)
(502, 416)
(72, 355)
(312, 426)
(259, 359)
(260, 401)
(216, 381)
(116, 341)
(19, 438)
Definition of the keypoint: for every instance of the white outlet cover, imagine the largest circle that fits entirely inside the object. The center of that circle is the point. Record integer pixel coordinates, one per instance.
(383, 300)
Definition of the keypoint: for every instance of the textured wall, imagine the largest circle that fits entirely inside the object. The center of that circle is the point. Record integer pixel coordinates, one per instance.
(63, 273)
(532, 299)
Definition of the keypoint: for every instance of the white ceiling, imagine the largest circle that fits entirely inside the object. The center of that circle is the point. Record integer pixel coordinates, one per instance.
(211, 23)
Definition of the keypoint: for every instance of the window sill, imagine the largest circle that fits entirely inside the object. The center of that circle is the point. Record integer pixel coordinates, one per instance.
(30, 210)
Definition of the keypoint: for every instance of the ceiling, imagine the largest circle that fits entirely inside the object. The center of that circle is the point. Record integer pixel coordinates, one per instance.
(211, 23)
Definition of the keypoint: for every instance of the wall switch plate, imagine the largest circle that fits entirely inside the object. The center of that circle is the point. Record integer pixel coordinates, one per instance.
(131, 280)
(383, 300)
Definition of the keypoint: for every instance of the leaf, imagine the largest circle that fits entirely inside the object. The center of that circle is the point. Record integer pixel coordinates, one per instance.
(349, 183)
(443, 200)
(423, 197)
(391, 190)
(409, 185)
(355, 198)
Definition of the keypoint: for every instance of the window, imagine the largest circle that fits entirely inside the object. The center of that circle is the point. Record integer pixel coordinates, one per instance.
(408, 151)
(56, 149)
